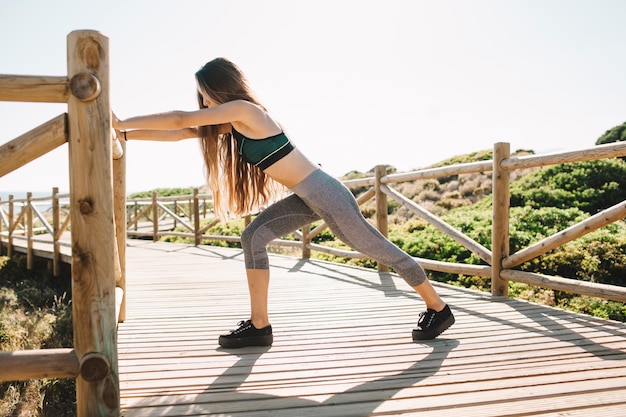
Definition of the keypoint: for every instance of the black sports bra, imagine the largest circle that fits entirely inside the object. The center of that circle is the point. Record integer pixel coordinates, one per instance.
(263, 152)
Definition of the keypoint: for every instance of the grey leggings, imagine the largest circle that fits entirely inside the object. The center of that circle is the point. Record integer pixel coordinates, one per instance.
(320, 196)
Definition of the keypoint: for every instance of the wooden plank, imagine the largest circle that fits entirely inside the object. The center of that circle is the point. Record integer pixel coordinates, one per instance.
(343, 346)
(33, 144)
(32, 88)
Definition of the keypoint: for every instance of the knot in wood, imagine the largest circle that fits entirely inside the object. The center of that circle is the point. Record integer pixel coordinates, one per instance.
(85, 86)
(85, 206)
(94, 367)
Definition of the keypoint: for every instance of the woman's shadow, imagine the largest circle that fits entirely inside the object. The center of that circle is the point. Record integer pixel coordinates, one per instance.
(223, 398)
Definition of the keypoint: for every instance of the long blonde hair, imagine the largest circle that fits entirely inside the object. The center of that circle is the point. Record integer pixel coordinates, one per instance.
(238, 187)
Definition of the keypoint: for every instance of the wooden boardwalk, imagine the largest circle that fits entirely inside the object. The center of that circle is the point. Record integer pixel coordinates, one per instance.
(343, 346)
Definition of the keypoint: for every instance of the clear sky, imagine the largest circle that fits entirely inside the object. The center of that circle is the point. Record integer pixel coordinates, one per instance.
(355, 82)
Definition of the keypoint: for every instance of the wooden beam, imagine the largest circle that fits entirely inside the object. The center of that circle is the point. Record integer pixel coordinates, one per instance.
(608, 216)
(574, 286)
(609, 150)
(31, 88)
(33, 144)
(38, 364)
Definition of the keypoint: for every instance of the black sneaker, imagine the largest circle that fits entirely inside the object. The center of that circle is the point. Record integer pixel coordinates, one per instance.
(432, 323)
(247, 335)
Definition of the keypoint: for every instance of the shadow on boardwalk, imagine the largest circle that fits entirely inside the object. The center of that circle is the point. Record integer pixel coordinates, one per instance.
(343, 346)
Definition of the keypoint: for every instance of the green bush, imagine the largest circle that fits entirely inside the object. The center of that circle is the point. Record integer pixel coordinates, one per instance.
(163, 192)
(615, 134)
(590, 186)
(35, 313)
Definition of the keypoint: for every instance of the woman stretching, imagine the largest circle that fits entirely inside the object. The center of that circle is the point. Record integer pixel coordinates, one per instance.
(249, 159)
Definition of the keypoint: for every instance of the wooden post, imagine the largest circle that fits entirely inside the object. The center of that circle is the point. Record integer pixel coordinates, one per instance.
(93, 233)
(56, 227)
(175, 210)
(155, 217)
(135, 213)
(196, 217)
(306, 233)
(381, 208)
(11, 226)
(29, 231)
(500, 218)
(119, 209)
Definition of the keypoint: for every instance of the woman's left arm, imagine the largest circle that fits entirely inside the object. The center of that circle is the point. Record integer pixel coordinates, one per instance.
(158, 135)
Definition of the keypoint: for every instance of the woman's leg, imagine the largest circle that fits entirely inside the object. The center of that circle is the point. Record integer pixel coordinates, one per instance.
(277, 220)
(258, 288)
(281, 218)
(336, 205)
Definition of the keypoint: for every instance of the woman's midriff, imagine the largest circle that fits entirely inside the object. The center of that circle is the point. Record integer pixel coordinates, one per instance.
(291, 169)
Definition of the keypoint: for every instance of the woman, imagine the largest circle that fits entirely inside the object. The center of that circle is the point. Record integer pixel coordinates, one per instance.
(249, 159)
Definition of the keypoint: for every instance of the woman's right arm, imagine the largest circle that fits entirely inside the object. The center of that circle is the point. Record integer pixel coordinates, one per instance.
(159, 135)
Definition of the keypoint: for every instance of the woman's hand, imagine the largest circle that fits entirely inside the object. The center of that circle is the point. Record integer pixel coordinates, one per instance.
(115, 122)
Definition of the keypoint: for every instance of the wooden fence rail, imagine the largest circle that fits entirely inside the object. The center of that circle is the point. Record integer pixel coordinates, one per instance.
(191, 216)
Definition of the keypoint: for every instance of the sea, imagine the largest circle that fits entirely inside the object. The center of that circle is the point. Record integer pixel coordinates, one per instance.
(43, 206)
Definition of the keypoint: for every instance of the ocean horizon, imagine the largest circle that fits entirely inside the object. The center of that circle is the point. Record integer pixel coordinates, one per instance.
(4, 195)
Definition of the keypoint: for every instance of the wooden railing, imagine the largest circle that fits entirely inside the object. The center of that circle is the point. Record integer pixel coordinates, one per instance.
(96, 198)
(498, 262)
(156, 217)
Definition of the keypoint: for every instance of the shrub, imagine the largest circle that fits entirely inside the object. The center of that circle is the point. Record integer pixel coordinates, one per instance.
(35, 313)
(590, 186)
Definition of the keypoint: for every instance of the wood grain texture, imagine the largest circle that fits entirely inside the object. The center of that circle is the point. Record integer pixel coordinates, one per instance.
(343, 346)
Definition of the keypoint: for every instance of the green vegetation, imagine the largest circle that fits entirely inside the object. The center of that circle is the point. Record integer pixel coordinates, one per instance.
(616, 134)
(163, 192)
(35, 313)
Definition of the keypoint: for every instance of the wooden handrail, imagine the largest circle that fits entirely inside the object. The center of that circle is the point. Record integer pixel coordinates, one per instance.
(34, 89)
(184, 210)
(33, 144)
(38, 364)
(586, 226)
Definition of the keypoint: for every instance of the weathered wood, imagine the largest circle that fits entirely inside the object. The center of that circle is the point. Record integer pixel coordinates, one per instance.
(33, 144)
(500, 218)
(56, 232)
(195, 209)
(609, 150)
(422, 174)
(343, 348)
(155, 217)
(608, 216)
(31, 88)
(38, 364)
(458, 236)
(119, 211)
(381, 208)
(571, 285)
(93, 233)
(85, 86)
(30, 259)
